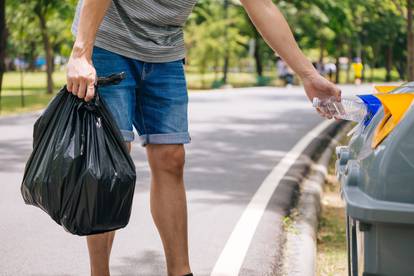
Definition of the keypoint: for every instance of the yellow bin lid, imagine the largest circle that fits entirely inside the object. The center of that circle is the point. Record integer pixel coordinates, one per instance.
(385, 88)
(395, 107)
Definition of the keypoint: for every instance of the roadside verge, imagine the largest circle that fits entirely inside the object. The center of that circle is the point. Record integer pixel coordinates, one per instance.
(300, 250)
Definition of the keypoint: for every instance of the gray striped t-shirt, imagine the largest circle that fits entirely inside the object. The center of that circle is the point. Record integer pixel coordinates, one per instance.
(146, 30)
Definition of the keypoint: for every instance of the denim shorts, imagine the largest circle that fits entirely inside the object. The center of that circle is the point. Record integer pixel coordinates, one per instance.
(153, 98)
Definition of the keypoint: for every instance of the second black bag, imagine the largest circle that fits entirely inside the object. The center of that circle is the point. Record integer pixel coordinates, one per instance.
(80, 171)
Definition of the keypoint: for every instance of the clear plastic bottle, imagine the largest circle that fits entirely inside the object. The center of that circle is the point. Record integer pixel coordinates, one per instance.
(351, 109)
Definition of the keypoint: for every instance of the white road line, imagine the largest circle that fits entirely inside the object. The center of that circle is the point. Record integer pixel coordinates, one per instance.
(234, 252)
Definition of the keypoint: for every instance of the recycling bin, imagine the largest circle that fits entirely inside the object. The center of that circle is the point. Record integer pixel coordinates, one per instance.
(363, 132)
(377, 175)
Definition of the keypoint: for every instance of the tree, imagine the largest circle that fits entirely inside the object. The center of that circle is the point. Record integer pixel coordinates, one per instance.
(382, 32)
(207, 44)
(24, 38)
(226, 41)
(258, 49)
(51, 17)
(3, 35)
(42, 8)
(410, 41)
(369, 29)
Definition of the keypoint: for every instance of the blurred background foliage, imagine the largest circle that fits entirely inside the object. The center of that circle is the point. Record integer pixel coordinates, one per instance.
(223, 45)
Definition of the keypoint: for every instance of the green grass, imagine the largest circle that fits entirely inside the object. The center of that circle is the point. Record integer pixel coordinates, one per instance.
(331, 239)
(35, 97)
(33, 82)
(12, 104)
(332, 252)
(378, 76)
(35, 85)
(198, 81)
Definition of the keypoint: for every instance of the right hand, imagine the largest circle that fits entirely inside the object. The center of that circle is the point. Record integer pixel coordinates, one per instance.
(319, 87)
(81, 76)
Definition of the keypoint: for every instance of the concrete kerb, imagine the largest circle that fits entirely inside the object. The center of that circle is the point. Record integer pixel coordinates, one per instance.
(299, 252)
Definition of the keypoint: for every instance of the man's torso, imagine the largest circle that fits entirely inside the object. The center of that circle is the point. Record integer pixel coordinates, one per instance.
(147, 30)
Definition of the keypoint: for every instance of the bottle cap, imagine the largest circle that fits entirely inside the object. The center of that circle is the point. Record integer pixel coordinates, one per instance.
(316, 102)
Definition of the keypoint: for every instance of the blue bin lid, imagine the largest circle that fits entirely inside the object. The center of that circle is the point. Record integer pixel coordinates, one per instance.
(373, 104)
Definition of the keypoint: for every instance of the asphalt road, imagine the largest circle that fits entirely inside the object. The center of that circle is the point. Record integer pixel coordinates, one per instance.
(238, 137)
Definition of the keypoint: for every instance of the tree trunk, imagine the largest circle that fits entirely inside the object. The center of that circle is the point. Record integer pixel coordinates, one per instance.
(338, 44)
(401, 69)
(373, 65)
(202, 73)
(22, 87)
(226, 53)
(338, 70)
(53, 62)
(371, 76)
(410, 41)
(376, 51)
(32, 57)
(216, 67)
(48, 51)
(348, 70)
(388, 63)
(321, 51)
(225, 68)
(364, 63)
(258, 59)
(3, 36)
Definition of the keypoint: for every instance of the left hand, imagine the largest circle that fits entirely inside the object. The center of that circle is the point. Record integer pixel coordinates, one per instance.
(319, 87)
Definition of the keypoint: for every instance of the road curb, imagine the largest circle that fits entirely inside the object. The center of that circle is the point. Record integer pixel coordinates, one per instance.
(299, 252)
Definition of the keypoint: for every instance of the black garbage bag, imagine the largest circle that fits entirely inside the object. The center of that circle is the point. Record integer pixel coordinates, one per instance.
(80, 171)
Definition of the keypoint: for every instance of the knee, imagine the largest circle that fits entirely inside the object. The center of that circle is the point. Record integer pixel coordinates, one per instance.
(167, 158)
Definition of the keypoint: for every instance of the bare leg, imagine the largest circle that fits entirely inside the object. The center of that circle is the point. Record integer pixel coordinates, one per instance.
(99, 247)
(99, 252)
(168, 204)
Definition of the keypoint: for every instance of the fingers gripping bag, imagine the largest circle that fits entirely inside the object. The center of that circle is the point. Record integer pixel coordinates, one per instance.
(80, 171)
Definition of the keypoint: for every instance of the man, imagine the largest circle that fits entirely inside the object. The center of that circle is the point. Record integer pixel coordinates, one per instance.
(144, 38)
(358, 68)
